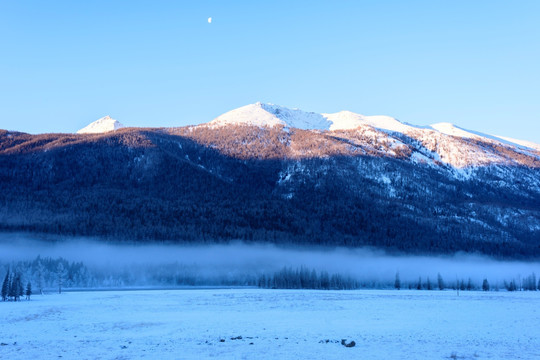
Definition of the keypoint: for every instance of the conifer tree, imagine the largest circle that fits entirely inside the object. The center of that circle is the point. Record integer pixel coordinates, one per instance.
(28, 290)
(529, 282)
(428, 284)
(485, 285)
(15, 290)
(20, 287)
(440, 281)
(315, 279)
(397, 282)
(12, 289)
(325, 280)
(5, 287)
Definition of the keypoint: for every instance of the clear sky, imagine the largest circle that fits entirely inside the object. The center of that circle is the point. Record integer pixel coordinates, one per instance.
(64, 64)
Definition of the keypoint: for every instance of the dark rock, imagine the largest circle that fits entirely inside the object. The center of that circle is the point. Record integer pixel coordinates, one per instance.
(344, 343)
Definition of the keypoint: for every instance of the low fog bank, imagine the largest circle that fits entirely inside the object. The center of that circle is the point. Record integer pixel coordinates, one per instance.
(366, 265)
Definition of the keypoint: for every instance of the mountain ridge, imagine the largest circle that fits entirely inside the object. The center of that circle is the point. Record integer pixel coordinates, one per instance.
(104, 124)
(250, 183)
(268, 114)
(418, 191)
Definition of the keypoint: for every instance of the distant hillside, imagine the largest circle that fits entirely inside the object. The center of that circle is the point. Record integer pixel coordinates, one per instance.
(417, 190)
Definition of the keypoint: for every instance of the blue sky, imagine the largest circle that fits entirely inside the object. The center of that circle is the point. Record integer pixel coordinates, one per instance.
(64, 64)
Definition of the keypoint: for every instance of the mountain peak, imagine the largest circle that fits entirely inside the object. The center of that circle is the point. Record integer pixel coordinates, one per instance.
(345, 120)
(105, 124)
(269, 115)
(266, 114)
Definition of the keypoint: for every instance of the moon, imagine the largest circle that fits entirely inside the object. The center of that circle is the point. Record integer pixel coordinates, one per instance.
(209, 20)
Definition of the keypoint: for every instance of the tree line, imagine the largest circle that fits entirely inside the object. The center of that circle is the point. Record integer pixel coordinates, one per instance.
(529, 283)
(48, 274)
(304, 278)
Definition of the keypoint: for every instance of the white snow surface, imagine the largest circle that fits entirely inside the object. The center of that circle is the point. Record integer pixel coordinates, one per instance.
(345, 120)
(452, 130)
(270, 115)
(105, 124)
(260, 114)
(519, 143)
(272, 324)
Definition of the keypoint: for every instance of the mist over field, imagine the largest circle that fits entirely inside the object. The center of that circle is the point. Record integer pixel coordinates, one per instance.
(240, 259)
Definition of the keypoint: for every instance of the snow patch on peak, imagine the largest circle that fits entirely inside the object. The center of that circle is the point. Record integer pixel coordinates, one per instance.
(105, 124)
(344, 120)
(437, 136)
(452, 130)
(270, 115)
(388, 123)
(297, 118)
(261, 114)
(252, 114)
(519, 143)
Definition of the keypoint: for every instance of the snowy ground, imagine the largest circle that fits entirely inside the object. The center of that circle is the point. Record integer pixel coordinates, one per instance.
(272, 324)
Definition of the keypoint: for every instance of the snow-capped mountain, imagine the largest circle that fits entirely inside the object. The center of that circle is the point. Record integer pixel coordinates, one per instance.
(270, 115)
(266, 173)
(105, 124)
(346, 120)
(441, 143)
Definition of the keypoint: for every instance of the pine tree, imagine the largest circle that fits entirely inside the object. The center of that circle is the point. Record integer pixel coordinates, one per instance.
(20, 287)
(419, 285)
(485, 285)
(12, 288)
(512, 286)
(314, 279)
(440, 281)
(262, 281)
(325, 280)
(428, 284)
(5, 287)
(15, 291)
(28, 290)
(530, 282)
(397, 282)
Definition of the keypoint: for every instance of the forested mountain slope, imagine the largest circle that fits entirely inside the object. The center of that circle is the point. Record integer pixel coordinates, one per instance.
(417, 192)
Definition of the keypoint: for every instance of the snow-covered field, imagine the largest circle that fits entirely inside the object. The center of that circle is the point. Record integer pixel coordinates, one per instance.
(272, 324)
